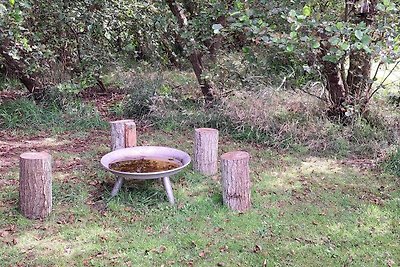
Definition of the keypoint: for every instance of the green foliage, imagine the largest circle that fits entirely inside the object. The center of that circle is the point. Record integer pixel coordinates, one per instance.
(80, 39)
(311, 28)
(22, 112)
(62, 94)
(324, 37)
(7, 83)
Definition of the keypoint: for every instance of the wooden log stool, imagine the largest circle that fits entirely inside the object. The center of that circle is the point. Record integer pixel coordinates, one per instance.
(35, 185)
(236, 182)
(206, 151)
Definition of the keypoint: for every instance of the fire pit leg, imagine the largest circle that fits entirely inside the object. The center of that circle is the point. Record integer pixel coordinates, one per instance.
(168, 188)
(117, 186)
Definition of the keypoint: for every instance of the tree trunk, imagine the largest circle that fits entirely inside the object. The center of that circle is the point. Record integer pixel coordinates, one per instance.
(335, 85)
(236, 182)
(35, 196)
(353, 88)
(17, 69)
(333, 74)
(358, 76)
(359, 72)
(206, 151)
(205, 85)
(195, 57)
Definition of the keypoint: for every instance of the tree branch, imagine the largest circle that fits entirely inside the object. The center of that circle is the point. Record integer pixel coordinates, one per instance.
(384, 80)
(311, 94)
(178, 12)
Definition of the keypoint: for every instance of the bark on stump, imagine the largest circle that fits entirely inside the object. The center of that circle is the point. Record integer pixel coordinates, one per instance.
(123, 134)
(130, 134)
(236, 182)
(206, 151)
(35, 186)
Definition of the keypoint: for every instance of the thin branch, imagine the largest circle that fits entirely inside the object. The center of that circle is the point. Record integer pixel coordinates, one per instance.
(311, 94)
(375, 74)
(301, 89)
(285, 78)
(346, 11)
(343, 74)
(384, 80)
(391, 83)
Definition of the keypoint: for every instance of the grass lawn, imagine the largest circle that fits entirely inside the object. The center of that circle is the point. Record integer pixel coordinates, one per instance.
(307, 210)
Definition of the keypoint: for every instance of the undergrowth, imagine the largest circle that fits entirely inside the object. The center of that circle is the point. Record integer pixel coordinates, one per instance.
(281, 120)
(392, 163)
(26, 114)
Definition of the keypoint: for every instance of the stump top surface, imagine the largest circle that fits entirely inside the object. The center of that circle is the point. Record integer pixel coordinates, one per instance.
(206, 130)
(130, 123)
(235, 155)
(121, 121)
(35, 155)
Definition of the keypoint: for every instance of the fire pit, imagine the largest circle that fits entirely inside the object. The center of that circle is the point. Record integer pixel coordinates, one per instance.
(145, 162)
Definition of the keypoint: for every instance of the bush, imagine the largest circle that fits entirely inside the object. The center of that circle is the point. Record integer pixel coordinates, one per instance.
(141, 92)
(62, 94)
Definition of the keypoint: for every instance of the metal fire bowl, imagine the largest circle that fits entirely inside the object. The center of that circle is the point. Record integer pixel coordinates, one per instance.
(139, 152)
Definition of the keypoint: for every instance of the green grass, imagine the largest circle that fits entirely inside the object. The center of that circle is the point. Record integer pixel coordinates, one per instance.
(392, 163)
(307, 211)
(26, 114)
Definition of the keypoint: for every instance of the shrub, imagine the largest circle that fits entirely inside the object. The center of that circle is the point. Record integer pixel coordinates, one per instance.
(141, 92)
(62, 94)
